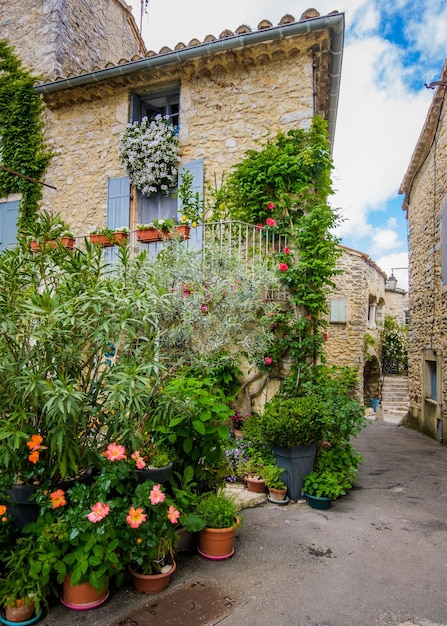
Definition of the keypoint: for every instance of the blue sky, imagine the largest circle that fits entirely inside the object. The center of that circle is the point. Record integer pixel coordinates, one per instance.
(391, 50)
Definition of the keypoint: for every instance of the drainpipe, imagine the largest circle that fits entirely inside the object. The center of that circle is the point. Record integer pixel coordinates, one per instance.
(333, 22)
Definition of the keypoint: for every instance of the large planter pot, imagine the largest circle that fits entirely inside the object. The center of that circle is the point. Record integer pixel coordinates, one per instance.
(318, 502)
(152, 583)
(157, 474)
(21, 507)
(82, 597)
(297, 462)
(217, 543)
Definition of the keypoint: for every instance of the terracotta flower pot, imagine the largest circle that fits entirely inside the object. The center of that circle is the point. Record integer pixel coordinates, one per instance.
(184, 231)
(82, 597)
(217, 543)
(277, 494)
(152, 583)
(118, 238)
(20, 612)
(257, 485)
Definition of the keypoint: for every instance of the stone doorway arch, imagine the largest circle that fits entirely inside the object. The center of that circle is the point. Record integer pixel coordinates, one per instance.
(371, 380)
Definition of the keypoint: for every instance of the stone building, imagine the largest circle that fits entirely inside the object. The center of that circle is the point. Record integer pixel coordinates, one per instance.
(56, 38)
(223, 93)
(425, 203)
(357, 311)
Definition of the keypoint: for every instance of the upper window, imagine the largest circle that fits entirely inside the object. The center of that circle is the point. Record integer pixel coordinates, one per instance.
(166, 103)
(338, 311)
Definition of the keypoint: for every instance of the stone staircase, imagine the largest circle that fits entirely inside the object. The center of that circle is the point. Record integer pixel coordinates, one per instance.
(395, 398)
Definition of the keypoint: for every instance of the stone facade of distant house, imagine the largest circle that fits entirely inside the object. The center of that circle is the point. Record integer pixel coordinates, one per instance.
(61, 38)
(224, 94)
(356, 314)
(425, 202)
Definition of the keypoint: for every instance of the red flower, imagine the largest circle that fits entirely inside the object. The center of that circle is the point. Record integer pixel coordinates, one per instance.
(268, 360)
(259, 226)
(325, 336)
(286, 250)
(270, 206)
(270, 222)
(283, 267)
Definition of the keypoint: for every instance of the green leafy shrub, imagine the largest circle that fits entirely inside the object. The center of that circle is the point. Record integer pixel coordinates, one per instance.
(334, 472)
(291, 422)
(218, 510)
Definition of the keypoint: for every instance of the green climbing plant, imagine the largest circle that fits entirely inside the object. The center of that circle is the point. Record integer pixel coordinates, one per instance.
(283, 187)
(22, 145)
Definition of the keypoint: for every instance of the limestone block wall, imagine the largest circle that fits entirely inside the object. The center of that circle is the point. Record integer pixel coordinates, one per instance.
(428, 298)
(227, 103)
(58, 37)
(397, 303)
(360, 280)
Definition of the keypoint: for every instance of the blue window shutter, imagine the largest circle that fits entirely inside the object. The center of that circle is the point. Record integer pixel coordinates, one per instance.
(118, 209)
(135, 108)
(118, 202)
(9, 214)
(196, 169)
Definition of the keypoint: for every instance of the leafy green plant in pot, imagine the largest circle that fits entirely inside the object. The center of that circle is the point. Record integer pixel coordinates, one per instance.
(28, 584)
(293, 426)
(272, 478)
(333, 474)
(218, 511)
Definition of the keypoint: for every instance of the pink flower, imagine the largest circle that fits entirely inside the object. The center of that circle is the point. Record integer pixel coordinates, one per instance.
(135, 517)
(259, 227)
(270, 206)
(268, 360)
(115, 452)
(286, 250)
(204, 307)
(308, 317)
(173, 514)
(156, 496)
(139, 460)
(270, 222)
(99, 512)
(283, 267)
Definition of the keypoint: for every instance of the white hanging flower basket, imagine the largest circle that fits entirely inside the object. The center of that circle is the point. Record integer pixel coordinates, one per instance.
(150, 152)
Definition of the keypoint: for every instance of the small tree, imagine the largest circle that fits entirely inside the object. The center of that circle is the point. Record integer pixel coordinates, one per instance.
(394, 338)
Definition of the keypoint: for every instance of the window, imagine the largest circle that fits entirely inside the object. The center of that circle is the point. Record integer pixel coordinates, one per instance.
(431, 386)
(166, 103)
(9, 214)
(338, 311)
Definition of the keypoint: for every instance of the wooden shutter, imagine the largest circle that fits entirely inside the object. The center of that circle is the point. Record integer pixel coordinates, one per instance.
(338, 311)
(9, 214)
(118, 209)
(196, 169)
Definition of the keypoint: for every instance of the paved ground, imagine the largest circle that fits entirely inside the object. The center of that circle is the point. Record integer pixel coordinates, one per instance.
(376, 558)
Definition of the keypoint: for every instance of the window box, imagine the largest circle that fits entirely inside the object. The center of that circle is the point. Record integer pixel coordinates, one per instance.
(146, 235)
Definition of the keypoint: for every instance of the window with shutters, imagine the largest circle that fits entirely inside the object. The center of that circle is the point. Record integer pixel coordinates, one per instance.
(9, 215)
(338, 311)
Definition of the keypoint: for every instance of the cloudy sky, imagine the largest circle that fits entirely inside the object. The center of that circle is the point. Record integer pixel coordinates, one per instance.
(392, 48)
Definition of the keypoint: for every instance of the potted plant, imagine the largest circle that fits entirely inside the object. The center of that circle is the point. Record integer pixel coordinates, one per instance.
(218, 511)
(147, 233)
(27, 583)
(334, 472)
(293, 427)
(49, 231)
(272, 478)
(148, 536)
(153, 462)
(107, 237)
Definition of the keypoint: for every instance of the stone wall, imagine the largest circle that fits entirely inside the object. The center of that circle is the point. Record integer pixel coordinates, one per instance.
(428, 298)
(227, 103)
(360, 282)
(59, 37)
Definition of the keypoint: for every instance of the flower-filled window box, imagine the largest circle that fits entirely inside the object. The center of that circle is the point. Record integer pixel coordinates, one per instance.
(147, 233)
(107, 237)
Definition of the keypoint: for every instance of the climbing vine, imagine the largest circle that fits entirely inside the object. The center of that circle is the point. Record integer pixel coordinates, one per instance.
(22, 145)
(284, 187)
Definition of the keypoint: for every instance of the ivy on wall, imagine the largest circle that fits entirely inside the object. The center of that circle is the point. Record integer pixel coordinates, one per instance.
(22, 145)
(284, 187)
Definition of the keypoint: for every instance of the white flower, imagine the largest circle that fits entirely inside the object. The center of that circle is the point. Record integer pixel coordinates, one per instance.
(150, 152)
